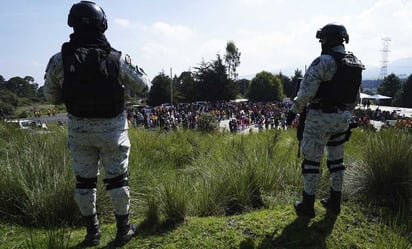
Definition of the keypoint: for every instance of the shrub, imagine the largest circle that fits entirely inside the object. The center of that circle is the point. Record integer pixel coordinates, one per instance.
(383, 175)
(207, 122)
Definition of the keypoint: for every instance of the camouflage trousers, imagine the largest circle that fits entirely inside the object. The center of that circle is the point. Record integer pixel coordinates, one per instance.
(109, 149)
(324, 130)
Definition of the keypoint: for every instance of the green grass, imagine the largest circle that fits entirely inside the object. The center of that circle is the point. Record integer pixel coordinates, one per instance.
(207, 190)
(274, 227)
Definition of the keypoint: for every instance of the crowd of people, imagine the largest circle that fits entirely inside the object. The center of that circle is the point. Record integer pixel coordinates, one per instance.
(241, 115)
(388, 119)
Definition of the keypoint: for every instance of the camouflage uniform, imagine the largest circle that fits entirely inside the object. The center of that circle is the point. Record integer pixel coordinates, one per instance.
(320, 127)
(91, 140)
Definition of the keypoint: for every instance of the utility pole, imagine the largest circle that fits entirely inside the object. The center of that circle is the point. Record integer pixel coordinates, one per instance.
(171, 87)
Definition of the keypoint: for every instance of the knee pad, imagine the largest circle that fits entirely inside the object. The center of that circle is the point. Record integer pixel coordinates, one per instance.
(116, 182)
(310, 167)
(336, 165)
(85, 183)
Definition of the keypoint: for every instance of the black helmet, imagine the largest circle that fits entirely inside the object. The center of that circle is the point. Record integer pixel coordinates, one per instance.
(332, 34)
(87, 14)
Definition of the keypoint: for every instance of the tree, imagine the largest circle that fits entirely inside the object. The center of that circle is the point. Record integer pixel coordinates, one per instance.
(212, 82)
(296, 79)
(407, 93)
(390, 85)
(265, 87)
(286, 84)
(186, 86)
(8, 102)
(160, 91)
(232, 59)
(22, 87)
(242, 86)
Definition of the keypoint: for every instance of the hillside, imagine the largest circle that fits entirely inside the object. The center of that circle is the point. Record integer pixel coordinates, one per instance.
(370, 84)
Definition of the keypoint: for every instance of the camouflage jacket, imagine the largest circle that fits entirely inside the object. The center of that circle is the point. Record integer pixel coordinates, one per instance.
(322, 69)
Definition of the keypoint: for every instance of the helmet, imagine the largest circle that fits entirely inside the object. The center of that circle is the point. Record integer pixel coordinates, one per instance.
(332, 34)
(87, 14)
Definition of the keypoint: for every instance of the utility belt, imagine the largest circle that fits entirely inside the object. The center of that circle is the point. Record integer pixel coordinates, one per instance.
(326, 108)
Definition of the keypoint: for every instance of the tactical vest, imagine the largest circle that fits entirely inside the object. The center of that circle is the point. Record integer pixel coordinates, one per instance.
(344, 86)
(91, 88)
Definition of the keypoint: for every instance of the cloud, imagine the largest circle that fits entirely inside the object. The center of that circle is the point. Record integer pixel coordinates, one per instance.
(122, 22)
(171, 32)
(384, 19)
(271, 35)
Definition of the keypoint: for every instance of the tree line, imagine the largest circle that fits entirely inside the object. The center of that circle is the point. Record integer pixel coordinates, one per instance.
(218, 80)
(209, 81)
(17, 92)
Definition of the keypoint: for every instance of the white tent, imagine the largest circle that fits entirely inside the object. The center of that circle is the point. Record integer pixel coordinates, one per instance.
(376, 97)
(379, 97)
(366, 96)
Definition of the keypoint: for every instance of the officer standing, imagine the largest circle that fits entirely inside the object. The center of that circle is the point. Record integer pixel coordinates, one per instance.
(90, 78)
(328, 93)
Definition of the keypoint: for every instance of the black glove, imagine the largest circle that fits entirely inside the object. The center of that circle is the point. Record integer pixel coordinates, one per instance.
(291, 116)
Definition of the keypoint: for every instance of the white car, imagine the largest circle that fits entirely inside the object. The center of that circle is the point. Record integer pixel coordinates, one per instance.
(26, 124)
(23, 123)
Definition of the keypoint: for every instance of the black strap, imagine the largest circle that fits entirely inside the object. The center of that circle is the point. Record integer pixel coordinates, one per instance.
(340, 168)
(335, 162)
(86, 183)
(311, 163)
(116, 182)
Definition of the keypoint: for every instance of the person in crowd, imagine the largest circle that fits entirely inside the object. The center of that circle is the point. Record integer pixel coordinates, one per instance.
(90, 78)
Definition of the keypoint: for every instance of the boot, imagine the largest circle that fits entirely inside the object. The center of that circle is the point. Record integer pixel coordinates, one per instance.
(125, 230)
(306, 206)
(93, 231)
(332, 204)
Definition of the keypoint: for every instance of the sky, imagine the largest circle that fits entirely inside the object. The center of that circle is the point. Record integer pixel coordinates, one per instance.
(173, 36)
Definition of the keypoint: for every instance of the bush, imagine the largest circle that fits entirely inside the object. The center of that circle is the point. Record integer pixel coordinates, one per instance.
(7, 108)
(384, 172)
(207, 122)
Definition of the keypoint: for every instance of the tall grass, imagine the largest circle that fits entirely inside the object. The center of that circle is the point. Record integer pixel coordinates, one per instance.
(35, 178)
(213, 174)
(185, 173)
(383, 174)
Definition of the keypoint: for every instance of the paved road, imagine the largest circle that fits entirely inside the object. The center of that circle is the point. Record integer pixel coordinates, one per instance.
(224, 125)
(50, 119)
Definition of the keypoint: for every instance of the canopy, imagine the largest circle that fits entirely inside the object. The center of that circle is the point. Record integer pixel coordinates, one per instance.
(375, 97)
(366, 96)
(378, 97)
